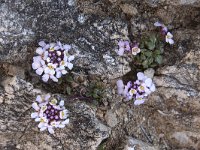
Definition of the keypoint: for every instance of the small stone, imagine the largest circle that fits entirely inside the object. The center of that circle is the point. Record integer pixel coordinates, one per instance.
(111, 119)
(149, 73)
(129, 9)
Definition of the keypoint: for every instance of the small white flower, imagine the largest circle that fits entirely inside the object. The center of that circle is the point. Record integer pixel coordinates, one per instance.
(132, 92)
(138, 90)
(135, 50)
(53, 60)
(49, 113)
(169, 39)
(64, 114)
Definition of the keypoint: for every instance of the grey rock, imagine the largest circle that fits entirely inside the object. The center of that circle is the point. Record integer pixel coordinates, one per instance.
(134, 144)
(18, 130)
(91, 36)
(111, 119)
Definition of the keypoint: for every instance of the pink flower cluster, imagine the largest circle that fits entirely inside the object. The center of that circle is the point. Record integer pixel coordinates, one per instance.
(50, 113)
(138, 90)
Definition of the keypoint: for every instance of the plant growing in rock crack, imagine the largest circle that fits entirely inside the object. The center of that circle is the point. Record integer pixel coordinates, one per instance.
(149, 51)
(95, 90)
(52, 60)
(50, 113)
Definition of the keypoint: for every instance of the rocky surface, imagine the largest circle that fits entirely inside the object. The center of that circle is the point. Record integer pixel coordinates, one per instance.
(169, 120)
(19, 131)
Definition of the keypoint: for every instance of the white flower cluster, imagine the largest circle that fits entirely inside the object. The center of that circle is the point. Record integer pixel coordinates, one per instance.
(52, 60)
(49, 113)
(138, 90)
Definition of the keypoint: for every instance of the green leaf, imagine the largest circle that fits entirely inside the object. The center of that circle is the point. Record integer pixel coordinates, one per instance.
(150, 60)
(143, 50)
(157, 52)
(59, 81)
(153, 38)
(150, 45)
(153, 65)
(69, 79)
(142, 45)
(148, 53)
(161, 50)
(145, 64)
(143, 57)
(159, 59)
(95, 95)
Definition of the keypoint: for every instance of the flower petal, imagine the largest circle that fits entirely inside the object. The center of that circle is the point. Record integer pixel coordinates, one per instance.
(148, 82)
(61, 125)
(50, 129)
(34, 115)
(37, 119)
(120, 86)
(67, 47)
(54, 78)
(66, 121)
(158, 24)
(64, 114)
(64, 72)
(45, 55)
(39, 50)
(70, 66)
(43, 128)
(120, 52)
(70, 58)
(58, 74)
(171, 41)
(39, 71)
(140, 76)
(61, 103)
(47, 96)
(42, 43)
(35, 65)
(35, 106)
(169, 35)
(153, 88)
(139, 102)
(39, 99)
(45, 77)
(121, 43)
(57, 47)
